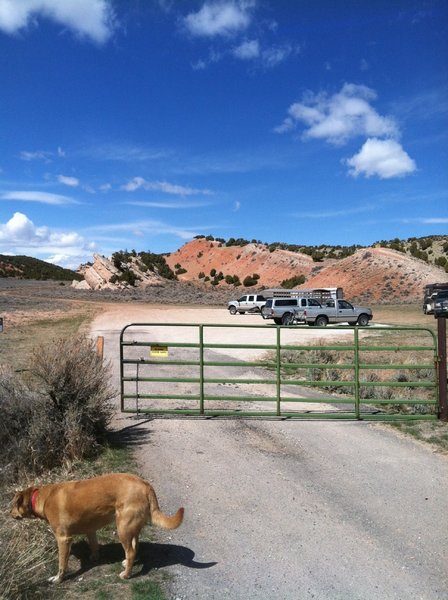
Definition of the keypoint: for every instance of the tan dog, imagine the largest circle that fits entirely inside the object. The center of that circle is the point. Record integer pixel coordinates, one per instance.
(83, 507)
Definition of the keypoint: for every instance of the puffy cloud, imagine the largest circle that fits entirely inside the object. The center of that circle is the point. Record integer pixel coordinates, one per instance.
(219, 18)
(162, 186)
(339, 117)
(277, 54)
(42, 197)
(384, 158)
(90, 18)
(348, 114)
(70, 181)
(20, 235)
(247, 50)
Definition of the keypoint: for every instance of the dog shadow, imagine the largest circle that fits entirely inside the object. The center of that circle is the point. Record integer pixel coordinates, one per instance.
(150, 556)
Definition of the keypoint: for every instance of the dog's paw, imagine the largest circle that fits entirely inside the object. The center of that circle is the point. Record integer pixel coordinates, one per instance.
(55, 579)
(123, 575)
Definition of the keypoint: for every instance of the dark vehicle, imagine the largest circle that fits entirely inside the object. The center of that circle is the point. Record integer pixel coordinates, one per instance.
(441, 304)
(431, 292)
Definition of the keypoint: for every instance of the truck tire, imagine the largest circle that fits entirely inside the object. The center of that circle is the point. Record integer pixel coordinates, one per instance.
(363, 320)
(232, 310)
(321, 321)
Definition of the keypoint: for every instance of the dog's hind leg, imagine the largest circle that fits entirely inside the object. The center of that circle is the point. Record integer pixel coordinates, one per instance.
(128, 536)
(64, 545)
(93, 543)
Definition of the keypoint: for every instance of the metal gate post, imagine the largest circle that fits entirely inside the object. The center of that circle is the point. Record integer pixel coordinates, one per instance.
(356, 362)
(121, 373)
(201, 369)
(278, 366)
(441, 368)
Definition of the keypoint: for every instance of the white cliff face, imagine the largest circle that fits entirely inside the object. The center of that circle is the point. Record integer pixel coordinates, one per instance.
(98, 275)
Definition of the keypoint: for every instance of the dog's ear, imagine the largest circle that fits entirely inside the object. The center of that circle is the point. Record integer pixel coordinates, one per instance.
(19, 499)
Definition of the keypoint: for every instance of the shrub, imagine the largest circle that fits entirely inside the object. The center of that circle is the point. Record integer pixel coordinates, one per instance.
(64, 413)
(249, 281)
(292, 282)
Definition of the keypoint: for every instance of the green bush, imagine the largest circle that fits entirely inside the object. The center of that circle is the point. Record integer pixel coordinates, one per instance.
(249, 281)
(292, 282)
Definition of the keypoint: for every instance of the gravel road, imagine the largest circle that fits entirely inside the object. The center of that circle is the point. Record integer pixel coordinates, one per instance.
(289, 509)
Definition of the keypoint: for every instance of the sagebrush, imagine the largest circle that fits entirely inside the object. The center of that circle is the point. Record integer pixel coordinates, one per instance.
(61, 414)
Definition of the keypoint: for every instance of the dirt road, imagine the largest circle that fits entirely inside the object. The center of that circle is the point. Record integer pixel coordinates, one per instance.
(290, 510)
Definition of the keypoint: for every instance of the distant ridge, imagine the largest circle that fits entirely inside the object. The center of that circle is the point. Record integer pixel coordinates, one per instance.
(394, 271)
(386, 272)
(26, 267)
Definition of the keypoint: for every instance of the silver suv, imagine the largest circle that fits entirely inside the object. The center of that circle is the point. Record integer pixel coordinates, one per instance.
(280, 309)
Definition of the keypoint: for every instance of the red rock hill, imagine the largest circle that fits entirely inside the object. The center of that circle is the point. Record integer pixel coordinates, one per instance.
(371, 274)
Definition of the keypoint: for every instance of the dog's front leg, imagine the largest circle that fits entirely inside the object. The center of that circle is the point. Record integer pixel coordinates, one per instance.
(93, 543)
(64, 545)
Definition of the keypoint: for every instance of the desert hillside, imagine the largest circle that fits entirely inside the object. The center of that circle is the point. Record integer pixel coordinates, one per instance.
(379, 275)
(204, 256)
(374, 274)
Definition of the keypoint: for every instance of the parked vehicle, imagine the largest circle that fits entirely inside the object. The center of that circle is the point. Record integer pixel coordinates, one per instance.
(247, 303)
(309, 310)
(277, 308)
(441, 304)
(431, 292)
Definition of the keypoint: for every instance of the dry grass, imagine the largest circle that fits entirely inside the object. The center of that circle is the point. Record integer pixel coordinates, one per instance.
(28, 554)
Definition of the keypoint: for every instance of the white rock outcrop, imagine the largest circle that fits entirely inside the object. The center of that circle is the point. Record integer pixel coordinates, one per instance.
(97, 276)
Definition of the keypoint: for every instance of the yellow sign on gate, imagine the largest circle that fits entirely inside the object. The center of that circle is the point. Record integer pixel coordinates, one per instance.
(159, 351)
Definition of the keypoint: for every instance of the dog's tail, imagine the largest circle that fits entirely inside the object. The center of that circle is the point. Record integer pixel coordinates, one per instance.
(158, 518)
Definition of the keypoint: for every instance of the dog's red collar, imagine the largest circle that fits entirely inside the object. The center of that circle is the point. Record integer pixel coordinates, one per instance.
(33, 502)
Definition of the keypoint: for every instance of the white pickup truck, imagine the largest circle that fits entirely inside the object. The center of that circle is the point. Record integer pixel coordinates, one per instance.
(247, 303)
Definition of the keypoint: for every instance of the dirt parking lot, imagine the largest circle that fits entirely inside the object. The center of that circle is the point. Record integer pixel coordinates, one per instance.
(289, 510)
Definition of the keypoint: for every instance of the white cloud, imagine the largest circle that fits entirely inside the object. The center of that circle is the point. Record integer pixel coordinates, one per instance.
(222, 18)
(247, 50)
(93, 19)
(338, 118)
(42, 197)
(162, 186)
(277, 54)
(150, 227)
(172, 205)
(70, 181)
(436, 220)
(20, 235)
(38, 155)
(121, 152)
(384, 158)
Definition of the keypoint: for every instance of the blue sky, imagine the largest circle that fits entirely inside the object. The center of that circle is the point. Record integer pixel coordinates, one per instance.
(140, 124)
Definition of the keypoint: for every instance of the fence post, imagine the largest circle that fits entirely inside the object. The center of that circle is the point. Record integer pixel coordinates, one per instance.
(442, 370)
(100, 346)
(201, 369)
(278, 369)
(356, 362)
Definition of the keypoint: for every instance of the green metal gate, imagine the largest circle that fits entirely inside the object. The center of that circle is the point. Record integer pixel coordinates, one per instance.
(210, 370)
